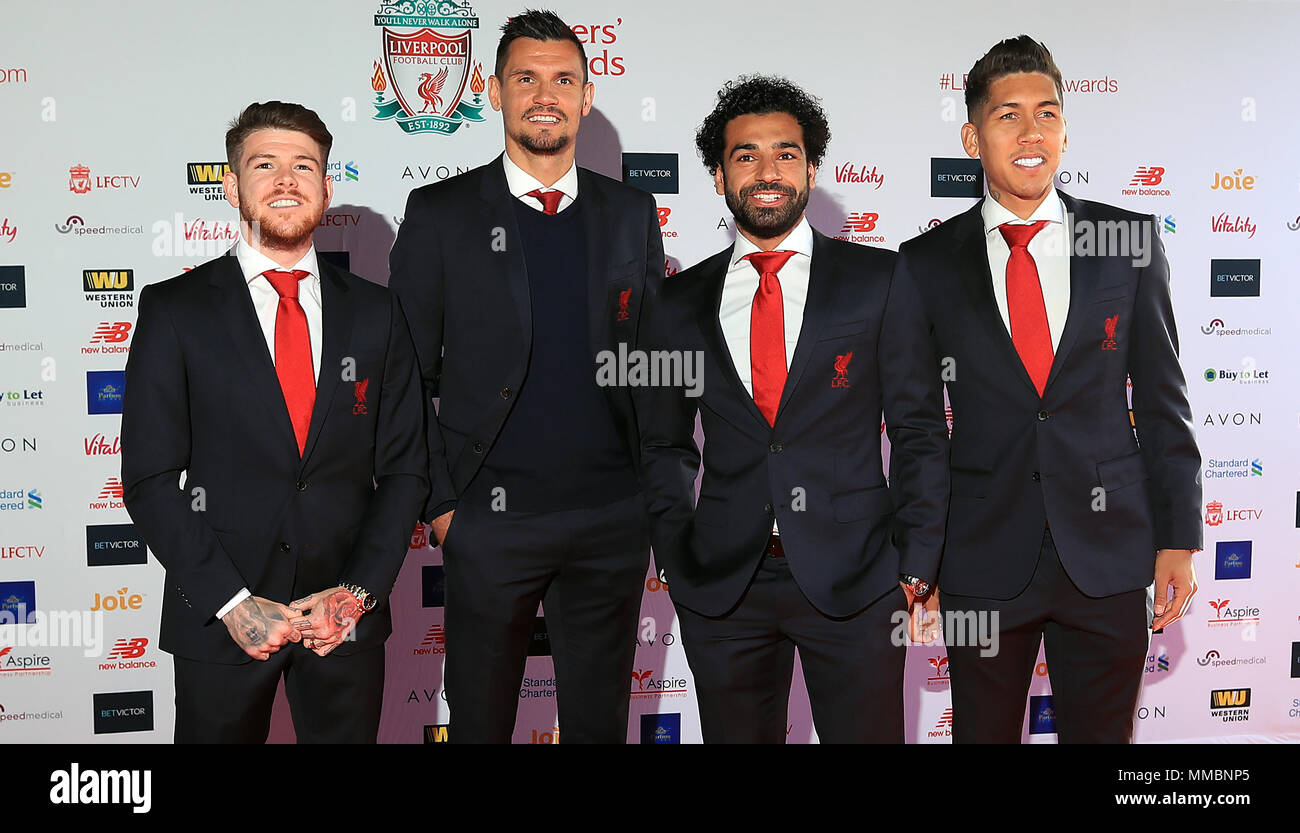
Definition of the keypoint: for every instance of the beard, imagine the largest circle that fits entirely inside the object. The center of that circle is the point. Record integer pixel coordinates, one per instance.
(550, 142)
(762, 222)
(273, 231)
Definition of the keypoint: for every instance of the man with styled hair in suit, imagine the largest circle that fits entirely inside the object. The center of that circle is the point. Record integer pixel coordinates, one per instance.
(796, 540)
(1060, 516)
(282, 394)
(517, 275)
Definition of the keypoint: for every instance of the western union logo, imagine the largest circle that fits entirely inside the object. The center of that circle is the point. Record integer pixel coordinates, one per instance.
(206, 173)
(435, 734)
(1230, 698)
(108, 280)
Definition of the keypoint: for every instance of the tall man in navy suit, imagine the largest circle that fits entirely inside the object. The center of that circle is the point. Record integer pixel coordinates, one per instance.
(796, 540)
(517, 276)
(282, 394)
(1042, 306)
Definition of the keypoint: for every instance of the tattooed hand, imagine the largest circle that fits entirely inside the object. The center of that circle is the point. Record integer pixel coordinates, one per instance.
(325, 619)
(260, 626)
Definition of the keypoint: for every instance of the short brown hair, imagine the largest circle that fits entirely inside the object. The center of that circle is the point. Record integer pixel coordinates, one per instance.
(276, 115)
(1011, 56)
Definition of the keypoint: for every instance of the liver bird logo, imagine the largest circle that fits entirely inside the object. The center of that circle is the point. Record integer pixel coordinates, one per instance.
(841, 379)
(430, 86)
(1111, 324)
(641, 676)
(624, 298)
(359, 391)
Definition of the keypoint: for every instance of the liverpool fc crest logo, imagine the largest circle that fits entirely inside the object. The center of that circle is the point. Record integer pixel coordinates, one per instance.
(1108, 343)
(427, 66)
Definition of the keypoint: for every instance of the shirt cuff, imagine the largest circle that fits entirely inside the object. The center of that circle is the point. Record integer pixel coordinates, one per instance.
(230, 605)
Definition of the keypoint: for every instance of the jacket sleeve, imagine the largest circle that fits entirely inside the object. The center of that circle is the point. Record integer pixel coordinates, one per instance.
(416, 276)
(401, 465)
(156, 450)
(1161, 413)
(918, 432)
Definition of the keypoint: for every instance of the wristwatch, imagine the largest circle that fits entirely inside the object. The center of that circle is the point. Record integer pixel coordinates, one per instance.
(918, 586)
(363, 596)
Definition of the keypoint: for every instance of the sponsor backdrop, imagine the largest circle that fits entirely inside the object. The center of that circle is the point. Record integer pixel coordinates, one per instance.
(109, 181)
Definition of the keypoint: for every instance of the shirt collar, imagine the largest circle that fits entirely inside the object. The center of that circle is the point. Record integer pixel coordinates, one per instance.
(995, 213)
(253, 263)
(520, 182)
(799, 240)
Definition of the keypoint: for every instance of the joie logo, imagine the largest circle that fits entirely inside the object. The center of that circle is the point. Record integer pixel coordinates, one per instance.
(123, 599)
(1233, 181)
(111, 786)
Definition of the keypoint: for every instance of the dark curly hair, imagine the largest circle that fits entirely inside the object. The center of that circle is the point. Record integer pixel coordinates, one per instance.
(758, 95)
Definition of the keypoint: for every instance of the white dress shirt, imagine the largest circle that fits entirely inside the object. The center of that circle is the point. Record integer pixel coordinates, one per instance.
(266, 301)
(520, 182)
(1050, 253)
(740, 285)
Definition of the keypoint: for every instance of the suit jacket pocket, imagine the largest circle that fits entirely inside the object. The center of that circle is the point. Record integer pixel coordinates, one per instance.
(970, 482)
(1122, 471)
(850, 328)
(861, 504)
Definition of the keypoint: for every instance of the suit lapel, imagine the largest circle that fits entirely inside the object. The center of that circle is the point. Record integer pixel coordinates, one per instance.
(973, 255)
(499, 213)
(818, 309)
(336, 335)
(235, 307)
(710, 326)
(1083, 279)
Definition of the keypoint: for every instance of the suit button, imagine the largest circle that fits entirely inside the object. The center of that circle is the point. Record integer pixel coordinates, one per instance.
(1037, 477)
(1043, 416)
(506, 393)
(300, 486)
(776, 448)
(767, 507)
(284, 547)
(478, 448)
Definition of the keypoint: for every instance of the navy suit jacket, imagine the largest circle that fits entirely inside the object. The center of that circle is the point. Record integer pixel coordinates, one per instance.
(459, 269)
(1020, 461)
(817, 471)
(202, 397)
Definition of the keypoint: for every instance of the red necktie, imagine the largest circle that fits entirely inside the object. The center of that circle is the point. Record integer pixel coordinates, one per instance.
(550, 200)
(293, 361)
(1025, 308)
(767, 333)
